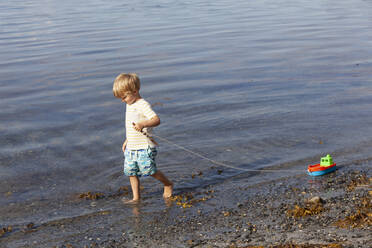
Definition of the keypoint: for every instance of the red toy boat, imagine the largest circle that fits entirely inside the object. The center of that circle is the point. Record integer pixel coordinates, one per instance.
(326, 166)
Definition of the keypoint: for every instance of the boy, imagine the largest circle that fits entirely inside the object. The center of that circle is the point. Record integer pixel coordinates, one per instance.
(139, 148)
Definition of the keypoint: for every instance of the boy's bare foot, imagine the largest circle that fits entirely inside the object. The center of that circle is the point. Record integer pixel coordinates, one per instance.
(127, 201)
(168, 191)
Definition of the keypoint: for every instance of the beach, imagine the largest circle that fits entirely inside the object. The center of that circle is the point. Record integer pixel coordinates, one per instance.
(299, 211)
(249, 94)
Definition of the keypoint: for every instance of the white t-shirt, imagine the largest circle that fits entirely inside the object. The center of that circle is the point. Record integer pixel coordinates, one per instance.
(139, 111)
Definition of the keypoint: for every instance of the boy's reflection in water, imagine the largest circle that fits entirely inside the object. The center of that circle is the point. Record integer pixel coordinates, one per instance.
(136, 208)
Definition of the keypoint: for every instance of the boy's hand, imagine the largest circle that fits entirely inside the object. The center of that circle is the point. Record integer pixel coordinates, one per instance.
(138, 126)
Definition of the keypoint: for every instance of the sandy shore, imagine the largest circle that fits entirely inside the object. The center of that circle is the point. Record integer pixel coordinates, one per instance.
(300, 211)
(331, 211)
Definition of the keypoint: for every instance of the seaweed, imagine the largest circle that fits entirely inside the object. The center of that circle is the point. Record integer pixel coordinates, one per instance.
(91, 196)
(5, 230)
(309, 209)
(30, 227)
(362, 217)
(360, 181)
(187, 200)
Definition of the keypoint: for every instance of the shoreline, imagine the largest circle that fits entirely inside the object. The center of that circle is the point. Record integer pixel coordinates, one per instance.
(299, 211)
(335, 212)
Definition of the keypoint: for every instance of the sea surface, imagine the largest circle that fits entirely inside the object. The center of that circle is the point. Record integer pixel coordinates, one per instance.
(253, 84)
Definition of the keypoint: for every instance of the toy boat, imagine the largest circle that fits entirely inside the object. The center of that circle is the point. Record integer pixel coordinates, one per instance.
(326, 166)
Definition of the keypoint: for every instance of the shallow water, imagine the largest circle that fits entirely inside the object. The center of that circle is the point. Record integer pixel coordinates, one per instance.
(253, 84)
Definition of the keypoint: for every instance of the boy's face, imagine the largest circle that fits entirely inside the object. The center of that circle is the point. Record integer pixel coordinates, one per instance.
(129, 98)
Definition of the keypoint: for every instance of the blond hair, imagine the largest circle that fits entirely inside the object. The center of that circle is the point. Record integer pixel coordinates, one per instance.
(124, 83)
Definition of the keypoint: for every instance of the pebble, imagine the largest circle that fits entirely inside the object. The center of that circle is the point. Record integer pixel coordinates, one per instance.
(316, 200)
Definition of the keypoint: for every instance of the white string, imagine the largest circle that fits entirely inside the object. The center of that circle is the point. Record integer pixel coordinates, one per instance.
(216, 162)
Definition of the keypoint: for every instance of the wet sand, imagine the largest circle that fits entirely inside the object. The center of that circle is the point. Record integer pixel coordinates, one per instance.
(297, 211)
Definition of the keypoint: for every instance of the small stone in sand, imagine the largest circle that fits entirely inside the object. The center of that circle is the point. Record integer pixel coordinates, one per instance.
(316, 200)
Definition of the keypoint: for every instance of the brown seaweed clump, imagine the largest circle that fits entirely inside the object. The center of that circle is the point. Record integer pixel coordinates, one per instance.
(30, 227)
(122, 191)
(361, 218)
(187, 200)
(309, 209)
(91, 196)
(183, 200)
(5, 230)
(360, 181)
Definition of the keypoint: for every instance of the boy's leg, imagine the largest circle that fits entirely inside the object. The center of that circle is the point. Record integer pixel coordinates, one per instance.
(168, 185)
(131, 170)
(135, 184)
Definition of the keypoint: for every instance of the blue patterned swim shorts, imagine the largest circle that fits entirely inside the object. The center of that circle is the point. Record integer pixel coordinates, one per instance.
(140, 162)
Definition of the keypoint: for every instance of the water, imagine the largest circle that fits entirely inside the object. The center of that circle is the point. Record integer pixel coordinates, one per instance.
(253, 84)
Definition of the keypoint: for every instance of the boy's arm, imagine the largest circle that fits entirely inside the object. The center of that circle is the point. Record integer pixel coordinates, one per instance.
(124, 145)
(153, 122)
